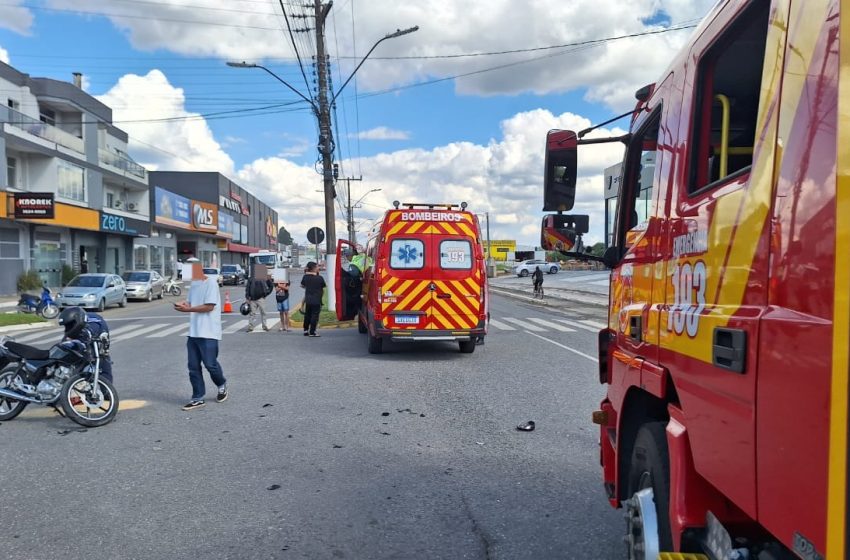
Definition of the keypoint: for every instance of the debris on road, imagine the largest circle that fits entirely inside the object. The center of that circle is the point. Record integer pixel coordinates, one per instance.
(527, 427)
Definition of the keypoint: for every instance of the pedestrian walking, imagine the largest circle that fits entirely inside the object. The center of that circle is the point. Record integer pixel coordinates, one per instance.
(281, 296)
(314, 287)
(256, 290)
(204, 309)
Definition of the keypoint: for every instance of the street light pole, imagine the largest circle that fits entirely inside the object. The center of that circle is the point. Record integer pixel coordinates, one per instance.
(351, 231)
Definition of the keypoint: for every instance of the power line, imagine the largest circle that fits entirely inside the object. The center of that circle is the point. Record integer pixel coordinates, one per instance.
(298, 56)
(196, 7)
(356, 93)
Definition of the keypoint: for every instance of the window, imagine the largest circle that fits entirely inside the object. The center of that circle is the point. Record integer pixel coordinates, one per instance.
(456, 254)
(110, 199)
(407, 253)
(71, 181)
(728, 86)
(12, 171)
(637, 187)
(10, 246)
(47, 116)
(140, 257)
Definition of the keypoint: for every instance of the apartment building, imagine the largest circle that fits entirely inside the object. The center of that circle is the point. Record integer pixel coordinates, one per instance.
(69, 192)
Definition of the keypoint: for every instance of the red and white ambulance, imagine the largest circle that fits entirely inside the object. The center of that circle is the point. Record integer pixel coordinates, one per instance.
(424, 279)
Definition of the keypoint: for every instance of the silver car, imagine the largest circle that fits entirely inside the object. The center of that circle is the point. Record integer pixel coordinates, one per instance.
(144, 284)
(93, 291)
(528, 267)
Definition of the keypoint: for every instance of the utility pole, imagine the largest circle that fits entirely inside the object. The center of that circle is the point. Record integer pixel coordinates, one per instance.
(489, 247)
(326, 145)
(349, 206)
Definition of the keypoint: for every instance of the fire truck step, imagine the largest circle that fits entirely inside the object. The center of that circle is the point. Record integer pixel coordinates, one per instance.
(681, 556)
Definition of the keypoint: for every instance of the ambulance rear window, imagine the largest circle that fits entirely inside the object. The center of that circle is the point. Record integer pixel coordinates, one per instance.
(407, 254)
(456, 254)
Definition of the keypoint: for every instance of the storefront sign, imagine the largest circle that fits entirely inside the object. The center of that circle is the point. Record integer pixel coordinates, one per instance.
(225, 225)
(235, 196)
(231, 205)
(34, 206)
(271, 230)
(171, 209)
(204, 216)
(119, 224)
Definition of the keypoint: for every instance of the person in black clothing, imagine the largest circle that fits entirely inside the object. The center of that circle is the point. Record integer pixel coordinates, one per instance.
(256, 290)
(314, 286)
(537, 278)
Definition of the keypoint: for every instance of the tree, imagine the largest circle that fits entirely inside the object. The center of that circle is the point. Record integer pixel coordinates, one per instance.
(598, 249)
(283, 236)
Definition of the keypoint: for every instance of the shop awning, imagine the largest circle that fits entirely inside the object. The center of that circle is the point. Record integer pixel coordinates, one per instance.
(237, 248)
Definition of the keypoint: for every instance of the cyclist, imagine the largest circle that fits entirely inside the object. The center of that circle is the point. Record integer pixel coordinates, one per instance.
(537, 278)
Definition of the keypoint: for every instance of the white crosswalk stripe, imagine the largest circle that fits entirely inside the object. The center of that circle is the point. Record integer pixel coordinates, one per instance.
(595, 324)
(551, 325)
(40, 335)
(138, 332)
(501, 326)
(171, 330)
(236, 326)
(578, 325)
(523, 324)
(114, 333)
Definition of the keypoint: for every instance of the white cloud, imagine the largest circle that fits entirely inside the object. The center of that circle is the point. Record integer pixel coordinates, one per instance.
(382, 133)
(16, 17)
(610, 72)
(4, 55)
(153, 112)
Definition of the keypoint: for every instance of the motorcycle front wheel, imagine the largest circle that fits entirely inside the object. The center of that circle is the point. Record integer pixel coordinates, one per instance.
(87, 405)
(176, 290)
(9, 408)
(50, 311)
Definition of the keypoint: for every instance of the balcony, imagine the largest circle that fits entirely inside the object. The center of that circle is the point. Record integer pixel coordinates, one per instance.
(123, 163)
(44, 130)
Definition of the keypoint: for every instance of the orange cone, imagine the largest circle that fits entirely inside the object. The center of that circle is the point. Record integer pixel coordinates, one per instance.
(228, 308)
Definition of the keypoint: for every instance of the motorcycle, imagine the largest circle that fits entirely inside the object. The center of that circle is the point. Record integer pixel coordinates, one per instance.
(66, 376)
(173, 287)
(44, 305)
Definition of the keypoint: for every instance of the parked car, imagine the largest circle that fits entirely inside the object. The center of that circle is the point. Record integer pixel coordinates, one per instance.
(526, 268)
(233, 274)
(144, 284)
(215, 273)
(93, 291)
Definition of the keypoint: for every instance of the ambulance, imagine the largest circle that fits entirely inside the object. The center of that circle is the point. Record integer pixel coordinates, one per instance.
(425, 278)
(725, 360)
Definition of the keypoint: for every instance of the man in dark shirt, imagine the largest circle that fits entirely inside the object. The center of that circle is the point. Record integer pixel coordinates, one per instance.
(314, 286)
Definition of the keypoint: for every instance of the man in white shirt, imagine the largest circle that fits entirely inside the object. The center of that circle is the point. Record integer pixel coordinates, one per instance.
(204, 309)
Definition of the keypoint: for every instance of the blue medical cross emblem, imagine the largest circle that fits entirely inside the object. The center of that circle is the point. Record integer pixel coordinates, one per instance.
(408, 254)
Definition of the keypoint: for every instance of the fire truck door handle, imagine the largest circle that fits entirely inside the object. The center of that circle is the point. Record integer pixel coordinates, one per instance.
(729, 349)
(635, 330)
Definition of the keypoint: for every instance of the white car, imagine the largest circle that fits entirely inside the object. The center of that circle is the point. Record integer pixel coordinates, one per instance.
(215, 273)
(526, 268)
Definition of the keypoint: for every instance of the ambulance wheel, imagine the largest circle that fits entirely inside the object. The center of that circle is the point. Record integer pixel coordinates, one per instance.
(376, 344)
(648, 507)
(361, 327)
(466, 346)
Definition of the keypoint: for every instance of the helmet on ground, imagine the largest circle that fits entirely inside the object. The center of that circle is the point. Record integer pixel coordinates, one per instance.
(245, 308)
(74, 321)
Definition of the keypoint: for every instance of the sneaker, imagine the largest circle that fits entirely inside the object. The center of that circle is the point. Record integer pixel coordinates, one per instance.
(265, 328)
(193, 404)
(250, 329)
(306, 333)
(222, 394)
(315, 335)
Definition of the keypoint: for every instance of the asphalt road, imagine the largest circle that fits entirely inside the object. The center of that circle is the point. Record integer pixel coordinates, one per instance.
(322, 450)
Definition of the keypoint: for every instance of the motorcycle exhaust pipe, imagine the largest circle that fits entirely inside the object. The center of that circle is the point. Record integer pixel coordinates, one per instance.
(17, 396)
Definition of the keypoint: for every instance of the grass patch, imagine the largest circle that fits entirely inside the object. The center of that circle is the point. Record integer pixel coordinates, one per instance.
(327, 318)
(10, 319)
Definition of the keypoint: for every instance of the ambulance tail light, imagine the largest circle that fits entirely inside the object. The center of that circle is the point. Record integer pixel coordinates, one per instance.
(380, 296)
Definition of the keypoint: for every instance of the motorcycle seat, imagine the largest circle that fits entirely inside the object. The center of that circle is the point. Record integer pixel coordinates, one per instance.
(27, 352)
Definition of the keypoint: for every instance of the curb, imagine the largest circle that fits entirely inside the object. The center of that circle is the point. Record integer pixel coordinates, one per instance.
(519, 296)
(553, 294)
(343, 325)
(26, 327)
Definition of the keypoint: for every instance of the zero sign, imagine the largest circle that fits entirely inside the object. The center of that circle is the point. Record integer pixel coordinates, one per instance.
(112, 223)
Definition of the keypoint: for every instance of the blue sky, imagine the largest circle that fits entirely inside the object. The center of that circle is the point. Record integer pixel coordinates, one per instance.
(479, 137)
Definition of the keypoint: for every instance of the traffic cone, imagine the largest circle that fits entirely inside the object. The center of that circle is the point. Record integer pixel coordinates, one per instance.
(228, 308)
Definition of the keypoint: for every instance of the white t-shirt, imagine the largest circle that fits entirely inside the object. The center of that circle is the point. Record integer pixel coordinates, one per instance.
(205, 325)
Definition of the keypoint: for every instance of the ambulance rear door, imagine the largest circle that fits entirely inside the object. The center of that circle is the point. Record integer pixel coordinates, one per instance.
(406, 279)
(458, 284)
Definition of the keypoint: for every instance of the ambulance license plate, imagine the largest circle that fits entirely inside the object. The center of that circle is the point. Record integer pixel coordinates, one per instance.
(407, 319)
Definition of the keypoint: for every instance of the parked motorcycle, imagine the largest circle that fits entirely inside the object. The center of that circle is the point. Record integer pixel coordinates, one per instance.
(66, 376)
(173, 287)
(44, 305)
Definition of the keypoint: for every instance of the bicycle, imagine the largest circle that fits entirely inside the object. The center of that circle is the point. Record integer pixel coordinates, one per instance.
(538, 291)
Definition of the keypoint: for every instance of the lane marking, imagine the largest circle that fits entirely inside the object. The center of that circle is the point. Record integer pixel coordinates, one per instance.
(524, 324)
(133, 334)
(500, 325)
(166, 332)
(28, 339)
(595, 324)
(577, 325)
(115, 332)
(243, 324)
(551, 325)
(574, 351)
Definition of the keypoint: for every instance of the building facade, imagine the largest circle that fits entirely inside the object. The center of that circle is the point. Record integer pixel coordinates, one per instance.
(203, 215)
(61, 151)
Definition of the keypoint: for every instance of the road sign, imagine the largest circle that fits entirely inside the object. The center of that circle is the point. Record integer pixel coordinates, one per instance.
(315, 235)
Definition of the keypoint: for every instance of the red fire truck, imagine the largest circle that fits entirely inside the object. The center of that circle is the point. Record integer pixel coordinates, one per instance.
(724, 431)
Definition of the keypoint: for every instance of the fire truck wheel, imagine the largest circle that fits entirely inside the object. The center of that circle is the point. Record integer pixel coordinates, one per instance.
(466, 346)
(376, 344)
(648, 531)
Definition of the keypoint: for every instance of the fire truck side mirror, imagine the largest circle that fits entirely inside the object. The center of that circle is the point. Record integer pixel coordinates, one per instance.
(560, 169)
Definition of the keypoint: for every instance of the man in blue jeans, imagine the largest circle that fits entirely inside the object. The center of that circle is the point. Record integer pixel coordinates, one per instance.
(204, 309)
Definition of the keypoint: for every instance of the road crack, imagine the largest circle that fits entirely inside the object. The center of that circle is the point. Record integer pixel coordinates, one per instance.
(477, 530)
